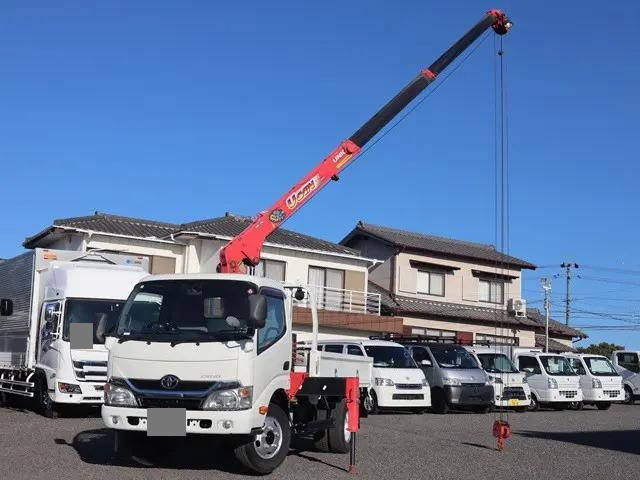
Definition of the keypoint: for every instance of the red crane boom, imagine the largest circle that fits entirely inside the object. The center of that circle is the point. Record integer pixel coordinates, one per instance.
(245, 248)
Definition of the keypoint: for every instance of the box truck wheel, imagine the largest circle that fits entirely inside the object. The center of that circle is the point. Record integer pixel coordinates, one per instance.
(628, 395)
(265, 451)
(44, 404)
(603, 405)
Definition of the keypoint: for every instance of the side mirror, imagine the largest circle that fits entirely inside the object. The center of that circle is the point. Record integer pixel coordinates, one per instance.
(299, 294)
(257, 310)
(426, 363)
(101, 328)
(6, 307)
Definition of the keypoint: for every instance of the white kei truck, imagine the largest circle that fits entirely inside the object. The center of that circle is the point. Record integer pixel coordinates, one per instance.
(43, 294)
(627, 364)
(510, 387)
(214, 354)
(599, 381)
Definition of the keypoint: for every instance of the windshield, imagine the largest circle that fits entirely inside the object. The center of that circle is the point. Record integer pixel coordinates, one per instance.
(453, 356)
(390, 357)
(496, 363)
(600, 366)
(178, 310)
(102, 313)
(557, 365)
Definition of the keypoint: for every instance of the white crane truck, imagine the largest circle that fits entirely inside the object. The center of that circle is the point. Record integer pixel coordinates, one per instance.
(44, 295)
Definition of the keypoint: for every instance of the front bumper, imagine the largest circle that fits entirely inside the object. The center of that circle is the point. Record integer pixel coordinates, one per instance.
(463, 395)
(197, 421)
(554, 395)
(393, 397)
(92, 393)
(511, 396)
(603, 394)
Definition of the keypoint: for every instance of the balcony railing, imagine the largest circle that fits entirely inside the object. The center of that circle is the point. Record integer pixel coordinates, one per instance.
(341, 300)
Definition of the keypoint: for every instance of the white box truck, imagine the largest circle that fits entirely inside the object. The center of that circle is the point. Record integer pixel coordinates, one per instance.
(43, 294)
(599, 381)
(213, 354)
(627, 364)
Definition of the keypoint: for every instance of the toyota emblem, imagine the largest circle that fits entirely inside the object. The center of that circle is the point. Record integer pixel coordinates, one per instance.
(169, 382)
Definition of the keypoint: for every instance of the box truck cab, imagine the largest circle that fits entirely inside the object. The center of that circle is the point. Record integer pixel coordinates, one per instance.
(510, 387)
(454, 375)
(627, 364)
(57, 307)
(551, 379)
(599, 381)
(396, 383)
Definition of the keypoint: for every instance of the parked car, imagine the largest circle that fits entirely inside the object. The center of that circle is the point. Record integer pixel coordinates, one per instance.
(397, 380)
(552, 380)
(510, 387)
(627, 364)
(599, 381)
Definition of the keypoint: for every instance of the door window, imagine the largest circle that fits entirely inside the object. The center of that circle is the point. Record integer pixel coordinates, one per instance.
(354, 350)
(333, 348)
(275, 324)
(528, 365)
(576, 364)
(629, 360)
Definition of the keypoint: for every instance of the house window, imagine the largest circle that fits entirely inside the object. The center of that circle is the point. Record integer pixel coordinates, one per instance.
(486, 339)
(491, 291)
(430, 283)
(273, 269)
(432, 332)
(329, 283)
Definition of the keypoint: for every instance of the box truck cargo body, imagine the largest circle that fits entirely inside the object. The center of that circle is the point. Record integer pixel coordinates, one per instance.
(55, 307)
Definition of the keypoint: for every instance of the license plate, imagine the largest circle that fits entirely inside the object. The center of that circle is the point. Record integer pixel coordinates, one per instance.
(514, 402)
(166, 422)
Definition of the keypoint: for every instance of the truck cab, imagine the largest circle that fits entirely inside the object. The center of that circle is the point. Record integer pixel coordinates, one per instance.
(397, 382)
(510, 387)
(627, 364)
(454, 375)
(552, 380)
(599, 381)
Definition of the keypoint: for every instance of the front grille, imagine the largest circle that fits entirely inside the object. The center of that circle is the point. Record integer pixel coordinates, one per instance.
(90, 371)
(568, 393)
(509, 393)
(611, 393)
(188, 403)
(473, 384)
(408, 396)
(183, 385)
(409, 386)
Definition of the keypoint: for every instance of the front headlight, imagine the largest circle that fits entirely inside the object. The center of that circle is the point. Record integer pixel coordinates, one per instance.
(384, 382)
(596, 383)
(451, 381)
(552, 383)
(425, 383)
(240, 398)
(119, 396)
(69, 387)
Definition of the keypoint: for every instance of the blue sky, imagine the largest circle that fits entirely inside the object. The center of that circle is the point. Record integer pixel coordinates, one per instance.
(178, 111)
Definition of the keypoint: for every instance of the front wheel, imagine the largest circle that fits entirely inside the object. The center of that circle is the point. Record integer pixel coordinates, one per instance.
(371, 403)
(628, 396)
(534, 406)
(45, 406)
(603, 405)
(267, 450)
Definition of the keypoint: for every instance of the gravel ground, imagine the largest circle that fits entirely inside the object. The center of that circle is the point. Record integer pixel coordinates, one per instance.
(588, 444)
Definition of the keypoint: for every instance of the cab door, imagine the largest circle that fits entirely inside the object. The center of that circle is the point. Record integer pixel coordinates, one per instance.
(49, 334)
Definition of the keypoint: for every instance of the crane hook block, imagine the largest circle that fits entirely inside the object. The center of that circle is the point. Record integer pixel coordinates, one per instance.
(502, 431)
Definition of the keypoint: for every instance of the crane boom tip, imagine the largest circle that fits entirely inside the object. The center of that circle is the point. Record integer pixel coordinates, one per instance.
(502, 24)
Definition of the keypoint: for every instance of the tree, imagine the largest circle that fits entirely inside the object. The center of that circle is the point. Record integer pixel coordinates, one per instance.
(602, 348)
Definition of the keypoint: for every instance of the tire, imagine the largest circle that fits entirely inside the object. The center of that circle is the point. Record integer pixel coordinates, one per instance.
(321, 439)
(628, 396)
(338, 435)
(603, 405)
(266, 451)
(44, 405)
(576, 405)
(439, 402)
(370, 403)
(534, 406)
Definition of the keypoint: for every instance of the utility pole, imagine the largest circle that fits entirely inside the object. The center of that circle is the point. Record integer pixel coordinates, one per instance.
(568, 266)
(546, 286)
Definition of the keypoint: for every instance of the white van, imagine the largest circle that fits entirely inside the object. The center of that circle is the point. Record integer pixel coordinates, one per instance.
(627, 364)
(551, 379)
(397, 381)
(510, 387)
(600, 382)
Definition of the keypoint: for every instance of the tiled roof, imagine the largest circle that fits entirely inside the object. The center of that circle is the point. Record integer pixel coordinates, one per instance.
(432, 243)
(554, 345)
(226, 226)
(402, 305)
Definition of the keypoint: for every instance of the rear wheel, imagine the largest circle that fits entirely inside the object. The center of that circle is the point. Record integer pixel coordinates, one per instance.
(267, 450)
(603, 405)
(45, 406)
(628, 395)
(439, 402)
(337, 438)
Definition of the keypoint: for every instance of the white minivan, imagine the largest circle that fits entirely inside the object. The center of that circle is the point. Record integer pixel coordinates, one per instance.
(600, 382)
(397, 381)
(552, 380)
(510, 387)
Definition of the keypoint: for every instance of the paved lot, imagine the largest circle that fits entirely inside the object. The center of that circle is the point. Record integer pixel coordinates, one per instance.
(556, 445)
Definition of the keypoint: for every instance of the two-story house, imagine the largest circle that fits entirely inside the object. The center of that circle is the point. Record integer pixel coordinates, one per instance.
(446, 287)
(338, 274)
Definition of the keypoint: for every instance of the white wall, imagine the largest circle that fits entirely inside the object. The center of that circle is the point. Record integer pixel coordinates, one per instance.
(303, 333)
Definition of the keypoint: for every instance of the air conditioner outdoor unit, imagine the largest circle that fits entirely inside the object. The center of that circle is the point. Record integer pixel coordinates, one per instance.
(517, 306)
